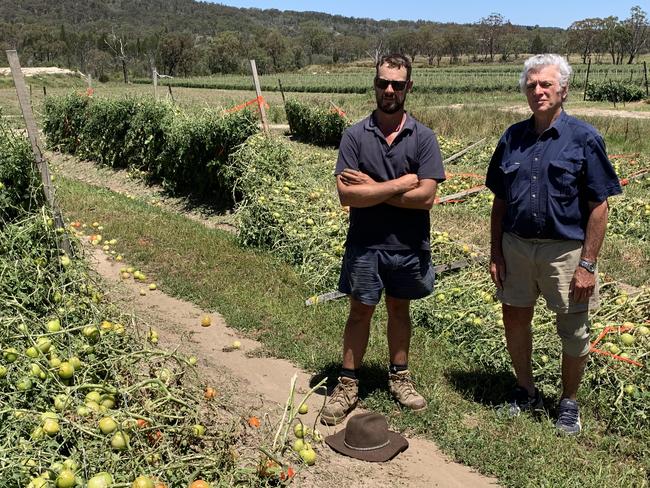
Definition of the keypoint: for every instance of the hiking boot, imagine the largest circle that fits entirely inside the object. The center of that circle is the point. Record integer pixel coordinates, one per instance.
(520, 401)
(568, 418)
(341, 402)
(403, 390)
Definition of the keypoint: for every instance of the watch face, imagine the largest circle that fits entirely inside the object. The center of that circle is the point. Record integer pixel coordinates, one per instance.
(591, 267)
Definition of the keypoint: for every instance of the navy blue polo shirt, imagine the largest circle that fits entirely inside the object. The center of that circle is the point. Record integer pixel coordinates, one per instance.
(548, 180)
(415, 150)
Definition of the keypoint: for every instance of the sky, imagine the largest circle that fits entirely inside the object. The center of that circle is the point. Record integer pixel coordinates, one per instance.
(521, 12)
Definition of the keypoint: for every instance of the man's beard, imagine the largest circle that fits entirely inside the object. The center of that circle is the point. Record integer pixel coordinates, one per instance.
(391, 106)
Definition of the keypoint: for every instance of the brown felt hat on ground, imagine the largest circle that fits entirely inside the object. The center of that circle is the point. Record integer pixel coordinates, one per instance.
(367, 437)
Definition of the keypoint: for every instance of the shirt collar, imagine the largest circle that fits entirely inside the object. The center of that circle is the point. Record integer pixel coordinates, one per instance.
(371, 123)
(557, 125)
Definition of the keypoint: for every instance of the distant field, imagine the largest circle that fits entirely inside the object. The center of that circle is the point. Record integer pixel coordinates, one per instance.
(475, 78)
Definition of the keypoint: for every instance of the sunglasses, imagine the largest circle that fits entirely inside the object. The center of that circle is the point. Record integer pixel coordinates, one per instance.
(397, 85)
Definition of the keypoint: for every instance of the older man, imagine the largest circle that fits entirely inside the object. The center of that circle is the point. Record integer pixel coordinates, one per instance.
(551, 178)
(388, 167)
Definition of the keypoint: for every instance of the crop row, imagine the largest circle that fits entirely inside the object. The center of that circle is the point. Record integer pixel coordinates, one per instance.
(185, 152)
(442, 80)
(84, 400)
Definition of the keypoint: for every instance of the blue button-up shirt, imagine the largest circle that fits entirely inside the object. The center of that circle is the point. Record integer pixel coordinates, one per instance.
(547, 180)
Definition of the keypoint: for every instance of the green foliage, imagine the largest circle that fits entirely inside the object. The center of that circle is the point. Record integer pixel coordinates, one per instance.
(315, 125)
(20, 188)
(63, 119)
(185, 152)
(614, 91)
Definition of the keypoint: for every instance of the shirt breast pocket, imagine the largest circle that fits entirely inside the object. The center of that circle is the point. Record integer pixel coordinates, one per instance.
(510, 170)
(564, 175)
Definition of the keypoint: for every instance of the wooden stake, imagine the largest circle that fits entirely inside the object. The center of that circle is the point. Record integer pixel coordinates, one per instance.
(32, 132)
(258, 91)
(645, 75)
(44, 91)
(89, 79)
(169, 88)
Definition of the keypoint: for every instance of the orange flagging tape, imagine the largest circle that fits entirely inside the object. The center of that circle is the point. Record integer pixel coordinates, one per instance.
(606, 331)
(259, 100)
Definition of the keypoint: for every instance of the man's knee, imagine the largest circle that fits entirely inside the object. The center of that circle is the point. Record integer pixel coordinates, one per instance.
(573, 329)
(517, 317)
(360, 312)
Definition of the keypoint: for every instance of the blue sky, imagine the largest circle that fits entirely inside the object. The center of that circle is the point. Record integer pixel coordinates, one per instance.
(544, 13)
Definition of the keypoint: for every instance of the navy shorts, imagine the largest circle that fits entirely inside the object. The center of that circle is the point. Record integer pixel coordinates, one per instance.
(403, 274)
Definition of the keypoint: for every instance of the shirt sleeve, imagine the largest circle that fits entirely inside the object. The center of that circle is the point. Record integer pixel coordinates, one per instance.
(348, 153)
(602, 181)
(494, 178)
(430, 159)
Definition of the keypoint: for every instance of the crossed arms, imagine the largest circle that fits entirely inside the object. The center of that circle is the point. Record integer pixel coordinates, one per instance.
(357, 189)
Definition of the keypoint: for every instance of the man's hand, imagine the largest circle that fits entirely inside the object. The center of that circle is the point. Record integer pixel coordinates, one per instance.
(498, 270)
(354, 177)
(582, 285)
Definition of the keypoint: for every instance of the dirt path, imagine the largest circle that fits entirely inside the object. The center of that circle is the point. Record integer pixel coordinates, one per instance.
(259, 381)
(587, 112)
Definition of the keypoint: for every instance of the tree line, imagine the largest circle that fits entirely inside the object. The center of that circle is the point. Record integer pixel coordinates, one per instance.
(184, 38)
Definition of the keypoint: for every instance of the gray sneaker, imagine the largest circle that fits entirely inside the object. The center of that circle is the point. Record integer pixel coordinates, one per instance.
(520, 401)
(342, 401)
(568, 418)
(403, 390)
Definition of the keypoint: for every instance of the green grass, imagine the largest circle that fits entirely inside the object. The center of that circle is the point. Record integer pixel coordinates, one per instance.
(263, 297)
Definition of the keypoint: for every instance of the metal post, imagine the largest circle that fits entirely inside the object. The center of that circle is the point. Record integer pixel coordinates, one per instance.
(281, 90)
(258, 91)
(584, 96)
(154, 75)
(645, 75)
(32, 132)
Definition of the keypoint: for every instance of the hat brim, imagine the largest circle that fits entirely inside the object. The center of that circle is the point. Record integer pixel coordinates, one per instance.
(396, 444)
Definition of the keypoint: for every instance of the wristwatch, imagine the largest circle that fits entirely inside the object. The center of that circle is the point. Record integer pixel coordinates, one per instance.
(588, 265)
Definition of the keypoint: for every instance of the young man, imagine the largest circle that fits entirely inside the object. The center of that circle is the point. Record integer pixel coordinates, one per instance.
(387, 171)
(551, 179)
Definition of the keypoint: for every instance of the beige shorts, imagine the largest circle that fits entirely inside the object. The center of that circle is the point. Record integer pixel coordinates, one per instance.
(542, 266)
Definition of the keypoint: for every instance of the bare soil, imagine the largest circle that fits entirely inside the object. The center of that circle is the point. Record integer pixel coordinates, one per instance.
(253, 383)
(587, 112)
(49, 70)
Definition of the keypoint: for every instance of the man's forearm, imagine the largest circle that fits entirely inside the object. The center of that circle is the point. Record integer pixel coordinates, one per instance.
(496, 226)
(595, 232)
(422, 197)
(367, 195)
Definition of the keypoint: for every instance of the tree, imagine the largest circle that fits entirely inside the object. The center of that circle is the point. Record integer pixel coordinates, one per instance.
(176, 53)
(315, 39)
(583, 36)
(637, 28)
(615, 38)
(537, 46)
(431, 43)
(116, 45)
(491, 28)
(225, 53)
(277, 48)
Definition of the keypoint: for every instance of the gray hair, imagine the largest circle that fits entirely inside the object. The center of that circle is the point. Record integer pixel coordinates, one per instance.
(535, 63)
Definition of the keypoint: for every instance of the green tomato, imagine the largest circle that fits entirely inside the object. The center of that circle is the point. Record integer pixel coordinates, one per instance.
(66, 479)
(100, 480)
(107, 425)
(119, 441)
(10, 354)
(303, 408)
(308, 455)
